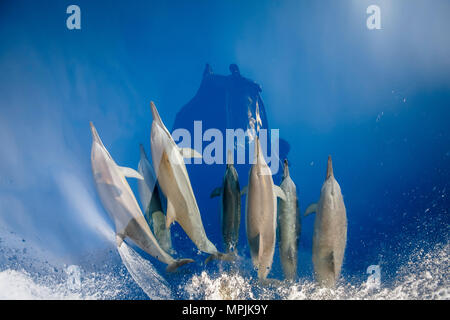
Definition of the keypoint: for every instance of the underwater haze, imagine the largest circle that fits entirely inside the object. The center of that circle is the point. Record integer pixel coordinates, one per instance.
(376, 100)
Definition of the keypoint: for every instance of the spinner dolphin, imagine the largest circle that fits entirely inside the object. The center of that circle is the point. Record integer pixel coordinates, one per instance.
(330, 231)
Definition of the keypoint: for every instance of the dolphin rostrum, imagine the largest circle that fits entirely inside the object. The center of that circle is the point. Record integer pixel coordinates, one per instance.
(261, 213)
(173, 178)
(330, 231)
(119, 201)
(289, 226)
(230, 194)
(149, 195)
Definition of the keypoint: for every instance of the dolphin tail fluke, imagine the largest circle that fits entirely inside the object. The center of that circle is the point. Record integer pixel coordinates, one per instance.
(178, 263)
(329, 168)
(231, 256)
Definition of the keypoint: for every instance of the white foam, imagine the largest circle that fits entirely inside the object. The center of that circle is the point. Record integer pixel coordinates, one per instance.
(224, 287)
(21, 285)
(424, 276)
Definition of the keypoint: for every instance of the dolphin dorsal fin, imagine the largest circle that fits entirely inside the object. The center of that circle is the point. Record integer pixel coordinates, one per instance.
(330, 168)
(130, 173)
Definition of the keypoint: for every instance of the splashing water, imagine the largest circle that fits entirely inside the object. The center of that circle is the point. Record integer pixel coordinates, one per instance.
(24, 275)
(30, 272)
(19, 284)
(425, 276)
(225, 287)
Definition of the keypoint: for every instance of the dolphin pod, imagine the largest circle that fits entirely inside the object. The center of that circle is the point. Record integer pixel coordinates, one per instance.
(230, 213)
(330, 231)
(119, 201)
(267, 218)
(288, 226)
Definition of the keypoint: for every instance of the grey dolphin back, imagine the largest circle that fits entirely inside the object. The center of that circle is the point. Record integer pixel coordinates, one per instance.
(330, 231)
(288, 226)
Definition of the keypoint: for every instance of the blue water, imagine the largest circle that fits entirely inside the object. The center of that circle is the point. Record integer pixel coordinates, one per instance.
(378, 101)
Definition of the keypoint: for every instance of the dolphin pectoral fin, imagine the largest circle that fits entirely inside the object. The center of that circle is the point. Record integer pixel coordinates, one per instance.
(244, 190)
(170, 214)
(190, 153)
(178, 263)
(311, 209)
(130, 173)
(278, 192)
(216, 192)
